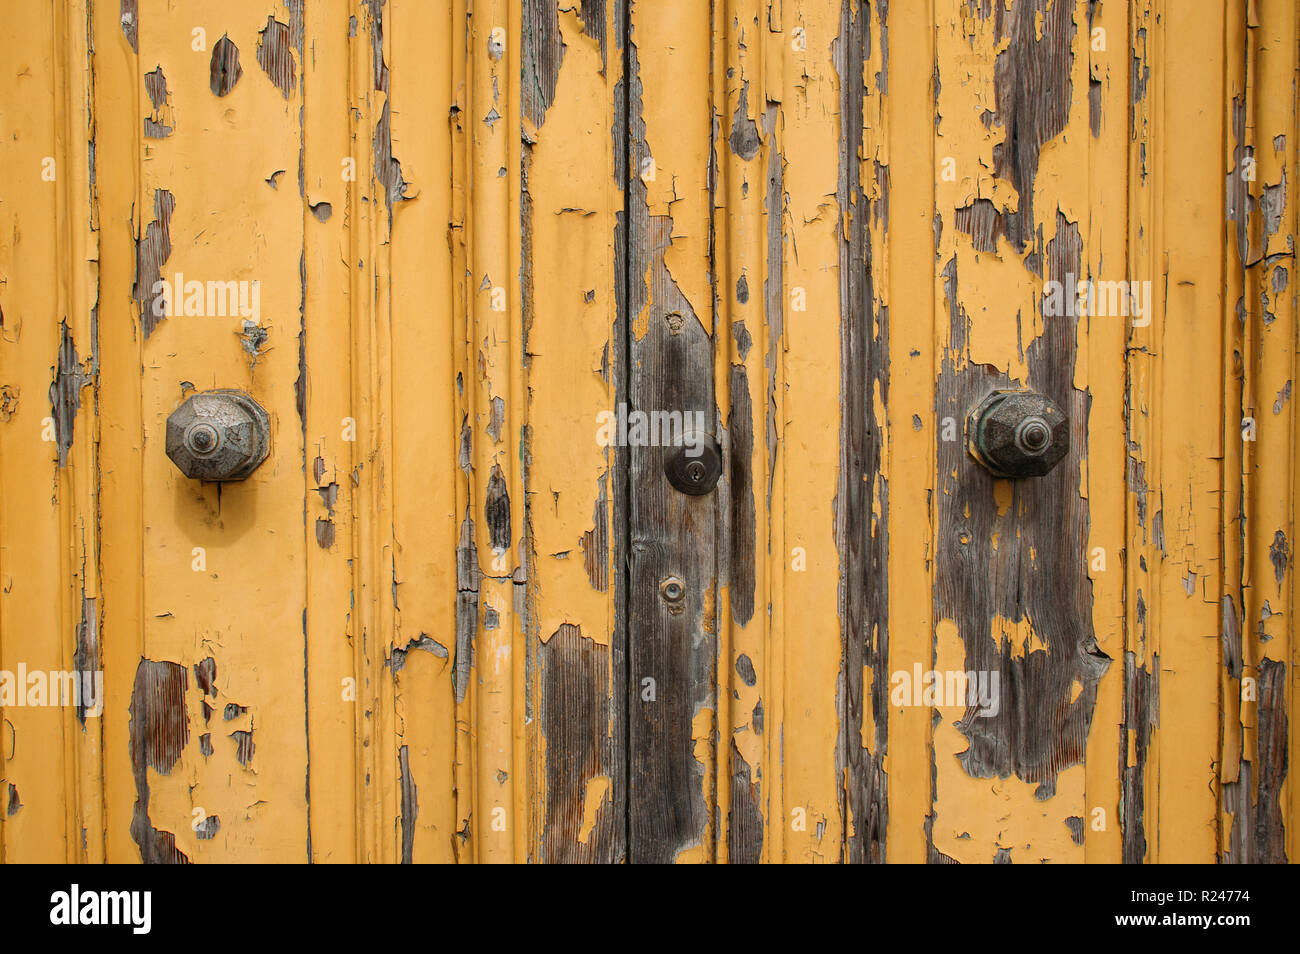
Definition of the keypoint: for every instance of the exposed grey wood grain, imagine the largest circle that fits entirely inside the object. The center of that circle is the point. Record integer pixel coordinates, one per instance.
(671, 647)
(861, 538)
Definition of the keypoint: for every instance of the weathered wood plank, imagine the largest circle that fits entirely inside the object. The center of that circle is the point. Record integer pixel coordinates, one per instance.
(861, 499)
(574, 361)
(668, 315)
(747, 300)
(1013, 602)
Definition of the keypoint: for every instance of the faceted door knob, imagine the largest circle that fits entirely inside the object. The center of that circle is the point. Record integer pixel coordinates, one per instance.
(218, 435)
(1018, 433)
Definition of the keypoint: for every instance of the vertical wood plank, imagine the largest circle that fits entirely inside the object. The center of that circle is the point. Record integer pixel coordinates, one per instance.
(426, 432)
(809, 816)
(121, 442)
(1260, 243)
(573, 197)
(1014, 606)
(326, 366)
(492, 551)
(46, 371)
(748, 313)
(1105, 240)
(1175, 437)
(912, 291)
(669, 315)
(861, 499)
(214, 582)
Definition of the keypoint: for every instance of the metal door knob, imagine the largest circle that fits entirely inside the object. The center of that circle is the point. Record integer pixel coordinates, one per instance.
(1016, 433)
(218, 435)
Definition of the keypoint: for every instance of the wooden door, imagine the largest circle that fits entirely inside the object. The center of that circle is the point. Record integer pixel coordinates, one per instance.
(460, 612)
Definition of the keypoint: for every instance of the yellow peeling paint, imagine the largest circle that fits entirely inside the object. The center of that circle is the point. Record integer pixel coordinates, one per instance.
(434, 224)
(983, 815)
(1019, 635)
(597, 797)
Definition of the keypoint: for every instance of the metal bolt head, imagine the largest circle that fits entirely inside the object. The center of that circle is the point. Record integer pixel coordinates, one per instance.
(218, 435)
(1017, 433)
(202, 439)
(694, 468)
(1033, 435)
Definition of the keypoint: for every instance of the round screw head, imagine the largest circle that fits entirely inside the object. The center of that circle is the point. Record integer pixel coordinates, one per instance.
(1017, 433)
(218, 435)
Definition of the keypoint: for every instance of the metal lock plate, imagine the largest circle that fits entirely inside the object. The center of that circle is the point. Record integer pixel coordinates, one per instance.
(694, 468)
